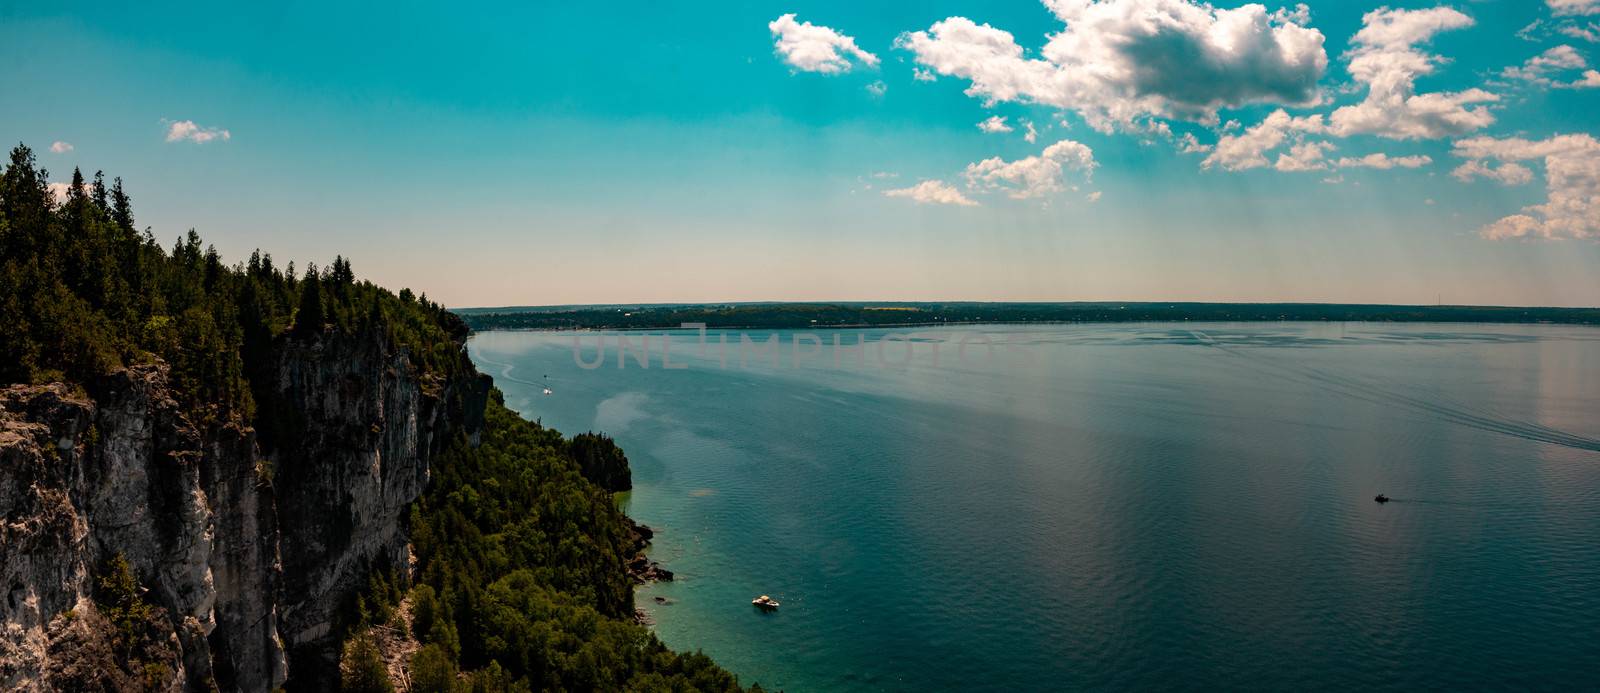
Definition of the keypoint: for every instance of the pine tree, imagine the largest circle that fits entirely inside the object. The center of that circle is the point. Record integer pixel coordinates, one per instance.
(99, 190)
(121, 207)
(311, 316)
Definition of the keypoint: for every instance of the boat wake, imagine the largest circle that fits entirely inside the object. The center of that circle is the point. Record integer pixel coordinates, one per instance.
(1454, 413)
(505, 369)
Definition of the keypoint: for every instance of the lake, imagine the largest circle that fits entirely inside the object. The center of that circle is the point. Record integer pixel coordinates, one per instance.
(1180, 506)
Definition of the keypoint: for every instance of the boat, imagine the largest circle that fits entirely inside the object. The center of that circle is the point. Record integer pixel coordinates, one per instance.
(1382, 498)
(765, 602)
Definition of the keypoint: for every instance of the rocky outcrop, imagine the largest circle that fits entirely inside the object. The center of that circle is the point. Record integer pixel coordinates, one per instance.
(248, 557)
(640, 567)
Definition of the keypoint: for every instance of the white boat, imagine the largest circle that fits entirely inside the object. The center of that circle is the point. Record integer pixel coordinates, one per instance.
(765, 602)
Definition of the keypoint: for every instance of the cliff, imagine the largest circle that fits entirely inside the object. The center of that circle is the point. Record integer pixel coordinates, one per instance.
(248, 557)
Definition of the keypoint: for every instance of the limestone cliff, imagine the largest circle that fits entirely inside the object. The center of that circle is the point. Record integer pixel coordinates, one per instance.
(248, 556)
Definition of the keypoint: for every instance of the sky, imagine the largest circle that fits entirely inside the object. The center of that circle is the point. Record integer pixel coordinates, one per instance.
(557, 153)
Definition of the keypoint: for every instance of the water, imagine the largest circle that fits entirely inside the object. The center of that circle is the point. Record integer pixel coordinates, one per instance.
(1179, 506)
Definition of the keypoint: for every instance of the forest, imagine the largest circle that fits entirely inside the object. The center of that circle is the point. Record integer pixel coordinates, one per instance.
(521, 581)
(892, 314)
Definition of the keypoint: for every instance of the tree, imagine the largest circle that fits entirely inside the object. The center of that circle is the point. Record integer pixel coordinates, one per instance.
(99, 190)
(432, 671)
(311, 316)
(361, 668)
(121, 206)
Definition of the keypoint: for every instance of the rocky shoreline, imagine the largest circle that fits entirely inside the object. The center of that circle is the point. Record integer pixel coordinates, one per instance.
(643, 570)
(640, 567)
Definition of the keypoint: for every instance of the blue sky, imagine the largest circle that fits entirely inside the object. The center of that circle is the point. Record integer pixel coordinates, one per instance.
(565, 153)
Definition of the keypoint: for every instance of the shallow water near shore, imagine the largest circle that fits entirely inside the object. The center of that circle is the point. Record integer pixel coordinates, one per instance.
(1110, 506)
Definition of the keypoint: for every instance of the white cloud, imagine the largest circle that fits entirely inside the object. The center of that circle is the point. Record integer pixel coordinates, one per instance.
(1384, 162)
(1094, 196)
(181, 130)
(1385, 59)
(1572, 179)
(1590, 33)
(1539, 68)
(59, 191)
(1189, 144)
(1029, 134)
(1248, 149)
(995, 124)
(1505, 173)
(933, 192)
(922, 75)
(1532, 31)
(1568, 8)
(1305, 156)
(1032, 176)
(1590, 80)
(814, 48)
(60, 147)
(1120, 60)
(878, 88)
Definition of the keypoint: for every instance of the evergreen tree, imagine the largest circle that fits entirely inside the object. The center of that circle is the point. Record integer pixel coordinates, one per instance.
(121, 206)
(99, 191)
(311, 316)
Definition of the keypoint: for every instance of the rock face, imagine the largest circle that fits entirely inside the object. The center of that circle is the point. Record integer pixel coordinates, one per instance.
(247, 557)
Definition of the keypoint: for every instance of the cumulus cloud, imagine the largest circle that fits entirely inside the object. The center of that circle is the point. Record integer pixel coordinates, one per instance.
(1384, 162)
(1540, 68)
(1121, 60)
(187, 130)
(1572, 179)
(1589, 80)
(60, 147)
(1248, 149)
(814, 48)
(60, 191)
(1569, 8)
(932, 192)
(878, 88)
(1386, 60)
(922, 75)
(1305, 156)
(994, 124)
(1029, 134)
(1033, 176)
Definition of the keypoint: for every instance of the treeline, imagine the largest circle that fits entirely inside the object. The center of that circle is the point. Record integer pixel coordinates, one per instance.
(521, 580)
(84, 292)
(808, 315)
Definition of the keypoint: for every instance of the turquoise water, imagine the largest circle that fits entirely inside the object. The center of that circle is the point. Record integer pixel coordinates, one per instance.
(1179, 506)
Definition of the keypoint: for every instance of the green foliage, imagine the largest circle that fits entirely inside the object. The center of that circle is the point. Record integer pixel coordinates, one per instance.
(433, 670)
(522, 580)
(139, 629)
(121, 602)
(82, 293)
(361, 669)
(522, 572)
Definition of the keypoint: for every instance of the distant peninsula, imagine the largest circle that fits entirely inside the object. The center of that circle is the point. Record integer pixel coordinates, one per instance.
(896, 314)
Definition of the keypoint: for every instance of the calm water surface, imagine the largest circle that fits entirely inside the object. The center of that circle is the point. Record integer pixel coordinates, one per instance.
(1179, 506)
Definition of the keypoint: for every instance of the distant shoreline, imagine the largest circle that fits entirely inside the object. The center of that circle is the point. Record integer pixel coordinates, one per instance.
(922, 315)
